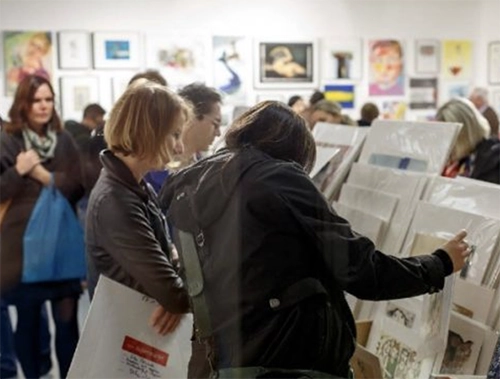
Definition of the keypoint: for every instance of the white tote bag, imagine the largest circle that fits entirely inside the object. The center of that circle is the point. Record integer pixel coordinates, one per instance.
(117, 341)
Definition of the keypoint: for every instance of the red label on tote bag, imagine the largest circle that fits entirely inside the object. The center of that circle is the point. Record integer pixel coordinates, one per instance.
(145, 351)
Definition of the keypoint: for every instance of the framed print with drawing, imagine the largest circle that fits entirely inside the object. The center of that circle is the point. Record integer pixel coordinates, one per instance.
(74, 49)
(427, 56)
(116, 49)
(76, 93)
(494, 62)
(286, 64)
(26, 53)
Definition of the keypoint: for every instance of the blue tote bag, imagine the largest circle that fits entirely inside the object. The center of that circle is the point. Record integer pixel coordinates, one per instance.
(53, 245)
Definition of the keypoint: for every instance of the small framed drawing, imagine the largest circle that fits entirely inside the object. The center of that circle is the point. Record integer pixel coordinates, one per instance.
(427, 56)
(496, 100)
(76, 93)
(119, 85)
(494, 62)
(286, 64)
(116, 50)
(74, 49)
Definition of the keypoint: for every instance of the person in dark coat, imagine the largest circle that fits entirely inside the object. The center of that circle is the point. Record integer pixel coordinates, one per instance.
(276, 258)
(126, 238)
(34, 149)
(479, 97)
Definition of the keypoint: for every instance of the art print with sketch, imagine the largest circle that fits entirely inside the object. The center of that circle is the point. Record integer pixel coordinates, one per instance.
(457, 354)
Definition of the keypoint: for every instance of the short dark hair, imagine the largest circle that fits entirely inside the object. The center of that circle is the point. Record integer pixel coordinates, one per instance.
(369, 112)
(315, 97)
(151, 75)
(293, 100)
(275, 129)
(201, 97)
(93, 110)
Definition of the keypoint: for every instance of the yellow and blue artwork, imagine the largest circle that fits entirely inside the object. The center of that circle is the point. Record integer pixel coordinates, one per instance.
(342, 94)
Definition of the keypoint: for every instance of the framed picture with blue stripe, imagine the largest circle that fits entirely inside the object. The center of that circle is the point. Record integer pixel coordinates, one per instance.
(341, 93)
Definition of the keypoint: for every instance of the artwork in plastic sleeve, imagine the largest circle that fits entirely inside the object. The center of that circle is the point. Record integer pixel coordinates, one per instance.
(365, 364)
(465, 340)
(400, 315)
(324, 177)
(397, 359)
(402, 163)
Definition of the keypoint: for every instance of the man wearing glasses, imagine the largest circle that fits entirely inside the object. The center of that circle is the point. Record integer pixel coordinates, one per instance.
(205, 125)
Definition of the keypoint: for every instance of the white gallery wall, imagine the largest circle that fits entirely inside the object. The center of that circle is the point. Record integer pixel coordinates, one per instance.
(406, 20)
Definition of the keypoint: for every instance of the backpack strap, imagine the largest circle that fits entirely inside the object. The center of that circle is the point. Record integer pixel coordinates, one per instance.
(194, 278)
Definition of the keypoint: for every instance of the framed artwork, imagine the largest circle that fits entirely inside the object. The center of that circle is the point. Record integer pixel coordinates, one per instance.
(427, 56)
(76, 93)
(232, 64)
(341, 59)
(397, 359)
(118, 86)
(393, 110)
(496, 100)
(341, 93)
(423, 93)
(180, 58)
(452, 90)
(456, 61)
(74, 49)
(465, 339)
(494, 62)
(116, 50)
(26, 53)
(286, 64)
(387, 71)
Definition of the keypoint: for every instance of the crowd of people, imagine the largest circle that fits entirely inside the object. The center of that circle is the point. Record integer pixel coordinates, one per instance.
(274, 258)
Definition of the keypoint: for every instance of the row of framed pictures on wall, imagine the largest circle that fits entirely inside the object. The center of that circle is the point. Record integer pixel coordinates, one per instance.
(424, 96)
(232, 63)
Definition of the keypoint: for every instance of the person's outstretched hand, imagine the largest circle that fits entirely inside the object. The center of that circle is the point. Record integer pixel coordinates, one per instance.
(458, 250)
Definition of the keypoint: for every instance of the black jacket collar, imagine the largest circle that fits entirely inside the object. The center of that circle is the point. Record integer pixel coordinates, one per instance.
(116, 169)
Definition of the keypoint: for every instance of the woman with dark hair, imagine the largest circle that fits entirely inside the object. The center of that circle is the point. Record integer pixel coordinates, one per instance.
(297, 103)
(267, 259)
(35, 150)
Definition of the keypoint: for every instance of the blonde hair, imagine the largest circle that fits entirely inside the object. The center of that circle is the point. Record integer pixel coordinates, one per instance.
(142, 119)
(328, 106)
(41, 41)
(474, 129)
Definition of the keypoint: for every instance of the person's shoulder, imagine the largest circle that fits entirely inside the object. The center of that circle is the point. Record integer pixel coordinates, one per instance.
(278, 176)
(9, 139)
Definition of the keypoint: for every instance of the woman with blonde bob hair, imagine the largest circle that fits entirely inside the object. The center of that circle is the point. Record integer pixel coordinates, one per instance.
(473, 154)
(126, 236)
